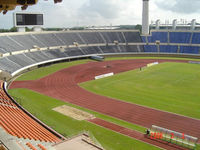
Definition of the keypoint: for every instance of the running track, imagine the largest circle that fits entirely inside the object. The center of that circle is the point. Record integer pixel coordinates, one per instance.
(136, 135)
(63, 85)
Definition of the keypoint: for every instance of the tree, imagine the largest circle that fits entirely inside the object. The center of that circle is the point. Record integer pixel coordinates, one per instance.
(138, 27)
(28, 29)
(13, 29)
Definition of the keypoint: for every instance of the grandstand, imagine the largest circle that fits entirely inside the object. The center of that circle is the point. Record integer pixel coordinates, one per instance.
(183, 42)
(21, 50)
(25, 127)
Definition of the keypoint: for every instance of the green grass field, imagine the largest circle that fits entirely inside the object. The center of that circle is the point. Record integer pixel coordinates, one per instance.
(172, 87)
(137, 85)
(41, 106)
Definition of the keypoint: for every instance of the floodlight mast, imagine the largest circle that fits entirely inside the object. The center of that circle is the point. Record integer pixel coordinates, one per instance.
(145, 17)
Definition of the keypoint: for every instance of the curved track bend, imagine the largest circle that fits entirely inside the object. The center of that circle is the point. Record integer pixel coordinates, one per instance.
(63, 85)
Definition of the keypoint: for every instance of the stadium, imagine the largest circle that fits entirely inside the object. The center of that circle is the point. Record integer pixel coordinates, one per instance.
(101, 89)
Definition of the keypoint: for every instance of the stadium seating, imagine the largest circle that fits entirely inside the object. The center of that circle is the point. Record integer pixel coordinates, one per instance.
(41, 147)
(37, 56)
(27, 41)
(7, 44)
(70, 38)
(134, 49)
(48, 39)
(31, 146)
(168, 49)
(92, 50)
(11, 43)
(196, 38)
(91, 37)
(174, 37)
(15, 43)
(144, 39)
(19, 124)
(82, 43)
(170, 41)
(56, 53)
(158, 36)
(190, 49)
(74, 52)
(180, 37)
(150, 48)
(8, 65)
(21, 59)
(109, 49)
(110, 37)
(132, 37)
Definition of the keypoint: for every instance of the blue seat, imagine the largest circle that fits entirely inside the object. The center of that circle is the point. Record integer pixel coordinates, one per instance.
(168, 49)
(189, 49)
(196, 38)
(150, 48)
(143, 39)
(180, 37)
(158, 36)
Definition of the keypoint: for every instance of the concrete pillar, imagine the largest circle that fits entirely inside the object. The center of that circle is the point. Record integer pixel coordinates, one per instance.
(37, 29)
(158, 24)
(145, 17)
(193, 24)
(21, 29)
(174, 24)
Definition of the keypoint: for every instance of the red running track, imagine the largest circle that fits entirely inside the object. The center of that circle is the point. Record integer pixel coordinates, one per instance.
(63, 85)
(136, 135)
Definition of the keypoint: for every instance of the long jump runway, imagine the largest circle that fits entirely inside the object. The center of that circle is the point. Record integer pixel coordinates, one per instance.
(63, 85)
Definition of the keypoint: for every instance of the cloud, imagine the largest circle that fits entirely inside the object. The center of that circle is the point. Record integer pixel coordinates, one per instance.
(179, 6)
(83, 13)
(98, 12)
(105, 12)
(107, 9)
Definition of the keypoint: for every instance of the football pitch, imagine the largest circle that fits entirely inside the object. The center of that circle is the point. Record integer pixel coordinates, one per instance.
(172, 87)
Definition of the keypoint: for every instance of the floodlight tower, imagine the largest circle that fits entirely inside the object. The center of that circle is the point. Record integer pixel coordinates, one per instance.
(145, 17)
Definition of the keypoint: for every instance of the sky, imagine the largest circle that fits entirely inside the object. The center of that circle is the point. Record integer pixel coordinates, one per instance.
(72, 13)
